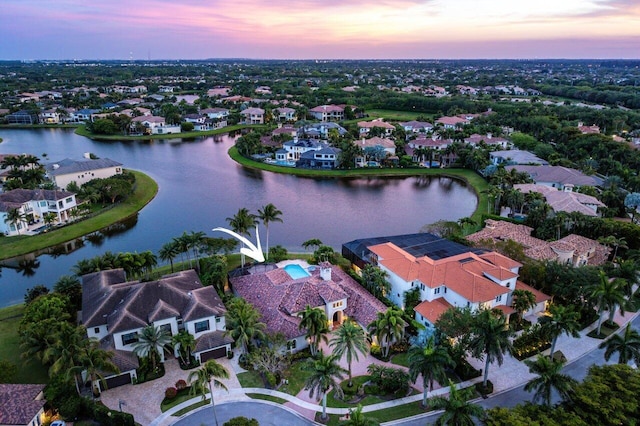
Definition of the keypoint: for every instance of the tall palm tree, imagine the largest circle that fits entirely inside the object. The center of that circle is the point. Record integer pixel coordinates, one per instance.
(609, 294)
(315, 321)
(430, 361)
(458, 410)
(491, 339)
(205, 379)
(241, 223)
(268, 214)
(349, 340)
(242, 323)
(549, 377)
(95, 361)
(563, 319)
(15, 217)
(65, 352)
(151, 342)
(387, 327)
(618, 243)
(312, 243)
(326, 373)
(168, 252)
(627, 345)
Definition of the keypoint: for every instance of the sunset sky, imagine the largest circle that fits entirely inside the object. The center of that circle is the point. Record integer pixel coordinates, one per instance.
(318, 29)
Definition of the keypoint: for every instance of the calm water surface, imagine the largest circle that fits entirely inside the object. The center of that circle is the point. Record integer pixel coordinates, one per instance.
(200, 186)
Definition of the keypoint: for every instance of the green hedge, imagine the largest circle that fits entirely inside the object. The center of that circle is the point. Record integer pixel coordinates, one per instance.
(532, 341)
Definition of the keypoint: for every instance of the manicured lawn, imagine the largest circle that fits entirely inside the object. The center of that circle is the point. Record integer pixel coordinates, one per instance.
(183, 395)
(145, 190)
(401, 359)
(250, 379)
(391, 115)
(296, 375)
(267, 398)
(29, 371)
(386, 415)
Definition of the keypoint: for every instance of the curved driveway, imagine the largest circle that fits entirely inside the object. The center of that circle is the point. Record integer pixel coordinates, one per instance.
(266, 413)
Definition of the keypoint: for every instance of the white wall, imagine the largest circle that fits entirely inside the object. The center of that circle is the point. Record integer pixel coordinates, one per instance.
(213, 326)
(83, 177)
(99, 334)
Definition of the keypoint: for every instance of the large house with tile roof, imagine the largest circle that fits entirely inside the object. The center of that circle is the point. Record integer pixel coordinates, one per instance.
(573, 249)
(115, 310)
(280, 298)
(447, 274)
(34, 204)
(563, 178)
(327, 113)
(564, 201)
(21, 405)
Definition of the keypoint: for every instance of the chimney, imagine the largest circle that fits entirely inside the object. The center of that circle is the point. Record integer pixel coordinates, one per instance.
(325, 271)
(56, 166)
(87, 155)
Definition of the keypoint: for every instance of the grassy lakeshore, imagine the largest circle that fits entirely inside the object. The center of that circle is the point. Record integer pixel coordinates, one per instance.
(471, 178)
(82, 131)
(145, 190)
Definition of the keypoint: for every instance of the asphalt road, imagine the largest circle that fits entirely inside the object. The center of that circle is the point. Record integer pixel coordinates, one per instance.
(265, 414)
(576, 369)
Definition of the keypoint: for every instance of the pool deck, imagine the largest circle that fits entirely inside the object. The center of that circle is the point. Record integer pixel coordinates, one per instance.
(300, 262)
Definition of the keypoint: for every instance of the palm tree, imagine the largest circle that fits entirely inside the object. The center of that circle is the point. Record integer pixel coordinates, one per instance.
(242, 323)
(522, 301)
(241, 223)
(490, 339)
(95, 361)
(618, 243)
(357, 418)
(151, 342)
(315, 321)
(458, 410)
(15, 217)
(430, 361)
(609, 294)
(184, 343)
(268, 214)
(168, 252)
(205, 379)
(627, 345)
(563, 319)
(326, 373)
(387, 327)
(65, 352)
(375, 280)
(312, 243)
(350, 339)
(549, 378)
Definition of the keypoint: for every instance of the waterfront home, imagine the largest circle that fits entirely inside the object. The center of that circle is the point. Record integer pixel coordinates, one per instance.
(33, 204)
(115, 311)
(50, 116)
(63, 172)
(22, 117)
(253, 116)
(154, 125)
(564, 201)
(280, 298)
(292, 150)
(325, 158)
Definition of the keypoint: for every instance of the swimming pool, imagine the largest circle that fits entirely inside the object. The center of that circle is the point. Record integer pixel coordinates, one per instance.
(296, 271)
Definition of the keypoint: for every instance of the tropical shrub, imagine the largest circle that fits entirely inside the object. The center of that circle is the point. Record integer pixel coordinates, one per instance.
(170, 393)
(532, 341)
(181, 384)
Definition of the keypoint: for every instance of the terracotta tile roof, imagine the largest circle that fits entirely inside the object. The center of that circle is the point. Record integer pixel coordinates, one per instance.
(278, 297)
(108, 299)
(538, 249)
(431, 311)
(464, 273)
(507, 310)
(19, 404)
(540, 296)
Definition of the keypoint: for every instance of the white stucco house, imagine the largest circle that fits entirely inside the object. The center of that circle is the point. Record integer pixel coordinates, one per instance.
(33, 204)
(63, 172)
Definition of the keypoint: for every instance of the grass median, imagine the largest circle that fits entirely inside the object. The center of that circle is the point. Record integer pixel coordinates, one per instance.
(145, 190)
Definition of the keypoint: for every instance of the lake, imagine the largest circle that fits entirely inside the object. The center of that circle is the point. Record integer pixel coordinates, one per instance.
(200, 186)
